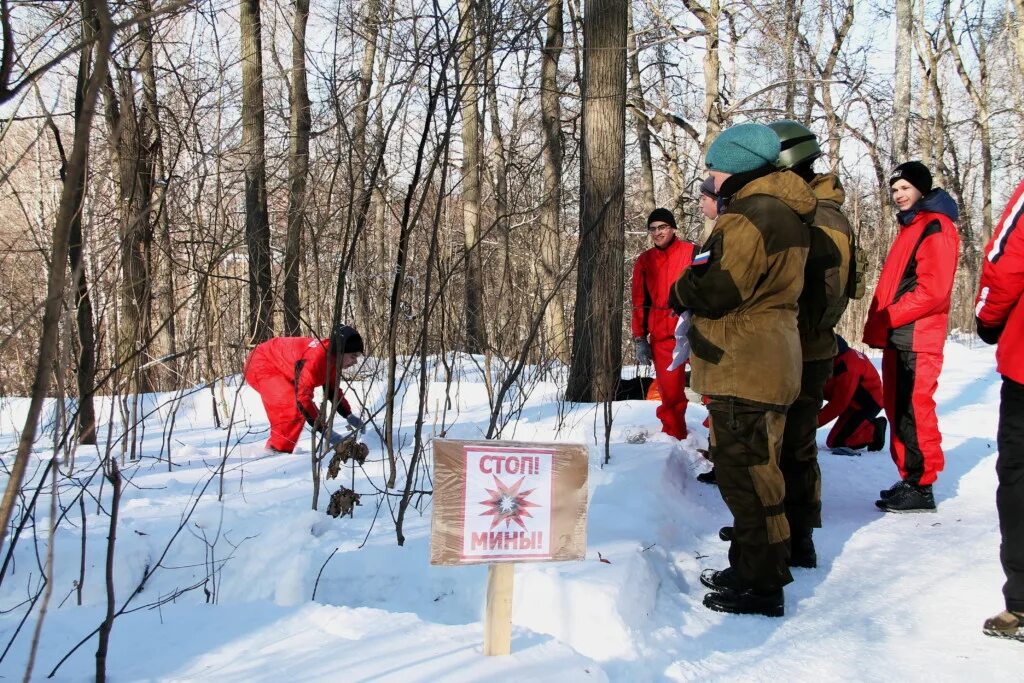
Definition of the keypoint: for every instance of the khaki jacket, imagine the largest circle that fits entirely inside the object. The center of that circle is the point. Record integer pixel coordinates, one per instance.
(744, 340)
(824, 299)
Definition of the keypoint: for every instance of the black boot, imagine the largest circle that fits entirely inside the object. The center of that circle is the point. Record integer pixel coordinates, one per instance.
(878, 443)
(708, 477)
(888, 493)
(747, 601)
(801, 549)
(724, 580)
(909, 498)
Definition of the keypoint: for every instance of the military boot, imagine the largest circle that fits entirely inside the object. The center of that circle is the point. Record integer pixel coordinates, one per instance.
(1006, 624)
(801, 549)
(724, 580)
(771, 603)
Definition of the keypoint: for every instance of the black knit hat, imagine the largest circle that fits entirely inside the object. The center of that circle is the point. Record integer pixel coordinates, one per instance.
(345, 339)
(663, 215)
(915, 173)
(708, 188)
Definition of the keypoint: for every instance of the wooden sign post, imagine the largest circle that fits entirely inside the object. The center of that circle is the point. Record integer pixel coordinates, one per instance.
(498, 613)
(503, 502)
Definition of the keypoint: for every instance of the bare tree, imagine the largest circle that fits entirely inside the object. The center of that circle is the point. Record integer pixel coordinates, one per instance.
(902, 93)
(257, 220)
(298, 169)
(597, 339)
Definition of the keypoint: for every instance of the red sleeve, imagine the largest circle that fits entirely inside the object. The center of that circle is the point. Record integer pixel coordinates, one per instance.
(639, 296)
(936, 265)
(309, 377)
(1002, 271)
(842, 387)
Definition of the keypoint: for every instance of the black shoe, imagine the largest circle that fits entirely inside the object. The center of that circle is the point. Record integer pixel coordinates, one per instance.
(727, 579)
(801, 551)
(747, 601)
(708, 477)
(891, 491)
(909, 498)
(878, 443)
(726, 534)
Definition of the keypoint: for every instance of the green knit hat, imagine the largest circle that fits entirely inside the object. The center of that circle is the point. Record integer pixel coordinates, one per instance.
(743, 148)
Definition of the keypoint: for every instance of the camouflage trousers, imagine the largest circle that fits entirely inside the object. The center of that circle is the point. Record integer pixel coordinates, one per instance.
(745, 445)
(799, 458)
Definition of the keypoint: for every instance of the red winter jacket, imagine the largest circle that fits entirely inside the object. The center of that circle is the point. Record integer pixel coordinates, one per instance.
(999, 313)
(910, 309)
(304, 361)
(654, 273)
(854, 384)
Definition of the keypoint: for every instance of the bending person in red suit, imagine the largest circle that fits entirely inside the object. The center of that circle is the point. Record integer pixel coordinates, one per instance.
(854, 395)
(654, 322)
(286, 370)
(908, 319)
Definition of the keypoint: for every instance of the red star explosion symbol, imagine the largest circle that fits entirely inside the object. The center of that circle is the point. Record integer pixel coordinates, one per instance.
(507, 504)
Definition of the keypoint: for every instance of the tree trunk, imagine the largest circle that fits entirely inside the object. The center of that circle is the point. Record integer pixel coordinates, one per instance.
(85, 373)
(257, 223)
(904, 65)
(597, 353)
(643, 133)
(555, 333)
(476, 334)
(791, 28)
(298, 169)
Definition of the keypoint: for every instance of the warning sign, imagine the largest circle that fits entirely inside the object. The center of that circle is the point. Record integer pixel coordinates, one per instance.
(508, 501)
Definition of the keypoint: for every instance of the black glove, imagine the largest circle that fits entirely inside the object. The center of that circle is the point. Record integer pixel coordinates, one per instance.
(642, 349)
(989, 335)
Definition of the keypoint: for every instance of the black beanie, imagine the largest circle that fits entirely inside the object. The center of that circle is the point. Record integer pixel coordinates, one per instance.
(345, 339)
(915, 173)
(663, 215)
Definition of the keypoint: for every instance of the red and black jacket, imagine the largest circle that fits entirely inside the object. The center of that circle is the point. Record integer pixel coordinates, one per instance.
(999, 313)
(854, 385)
(653, 275)
(910, 309)
(307, 363)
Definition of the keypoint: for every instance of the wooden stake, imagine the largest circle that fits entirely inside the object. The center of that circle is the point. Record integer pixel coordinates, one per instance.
(498, 614)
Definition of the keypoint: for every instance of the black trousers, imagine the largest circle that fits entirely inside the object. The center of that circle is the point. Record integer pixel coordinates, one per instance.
(1010, 493)
(799, 457)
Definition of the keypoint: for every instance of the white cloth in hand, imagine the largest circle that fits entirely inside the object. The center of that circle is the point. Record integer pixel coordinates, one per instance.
(682, 350)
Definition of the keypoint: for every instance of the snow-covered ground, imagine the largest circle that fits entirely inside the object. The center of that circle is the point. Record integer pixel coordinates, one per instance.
(895, 597)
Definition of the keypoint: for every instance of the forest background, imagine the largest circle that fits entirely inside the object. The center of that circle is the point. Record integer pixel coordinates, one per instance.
(181, 180)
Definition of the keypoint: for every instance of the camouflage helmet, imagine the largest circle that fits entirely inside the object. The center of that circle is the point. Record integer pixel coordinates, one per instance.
(799, 144)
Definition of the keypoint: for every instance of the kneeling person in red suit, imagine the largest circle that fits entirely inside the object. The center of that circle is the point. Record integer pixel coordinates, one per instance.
(286, 370)
(854, 395)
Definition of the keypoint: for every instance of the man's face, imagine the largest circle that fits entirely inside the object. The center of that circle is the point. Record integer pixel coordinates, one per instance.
(708, 207)
(349, 359)
(661, 233)
(904, 195)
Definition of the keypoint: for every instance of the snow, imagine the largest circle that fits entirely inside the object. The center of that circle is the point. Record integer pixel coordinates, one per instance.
(898, 596)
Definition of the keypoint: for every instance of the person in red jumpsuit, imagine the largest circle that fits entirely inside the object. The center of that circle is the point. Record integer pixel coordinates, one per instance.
(854, 395)
(286, 370)
(654, 322)
(908, 318)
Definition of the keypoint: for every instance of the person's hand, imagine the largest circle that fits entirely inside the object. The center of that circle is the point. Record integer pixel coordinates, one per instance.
(642, 349)
(356, 423)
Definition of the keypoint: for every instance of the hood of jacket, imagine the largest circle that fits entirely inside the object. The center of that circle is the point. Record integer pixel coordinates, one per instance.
(785, 186)
(828, 188)
(936, 201)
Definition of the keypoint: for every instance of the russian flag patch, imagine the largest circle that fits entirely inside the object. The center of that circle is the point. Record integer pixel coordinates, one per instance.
(701, 258)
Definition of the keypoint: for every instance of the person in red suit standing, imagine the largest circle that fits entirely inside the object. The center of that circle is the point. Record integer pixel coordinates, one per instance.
(908, 318)
(854, 395)
(654, 322)
(286, 370)
(1000, 319)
